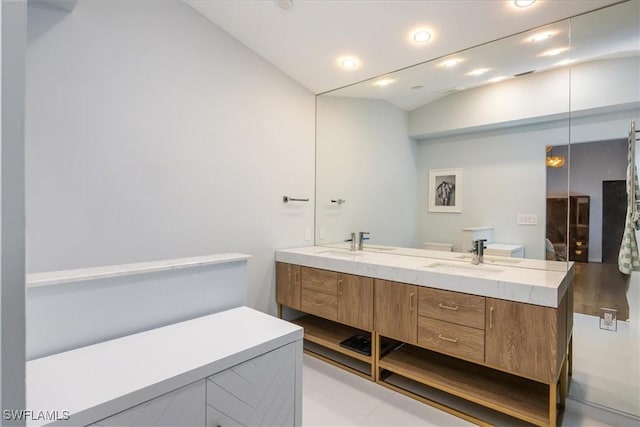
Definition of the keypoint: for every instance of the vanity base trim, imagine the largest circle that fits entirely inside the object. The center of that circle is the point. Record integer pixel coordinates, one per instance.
(508, 394)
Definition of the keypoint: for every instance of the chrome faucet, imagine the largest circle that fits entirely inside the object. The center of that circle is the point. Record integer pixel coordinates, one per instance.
(478, 251)
(362, 236)
(353, 242)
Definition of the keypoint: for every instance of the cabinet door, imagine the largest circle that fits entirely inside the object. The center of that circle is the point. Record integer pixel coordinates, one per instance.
(355, 301)
(258, 392)
(288, 285)
(396, 314)
(524, 339)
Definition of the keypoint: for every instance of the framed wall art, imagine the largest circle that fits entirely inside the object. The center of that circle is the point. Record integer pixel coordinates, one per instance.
(445, 190)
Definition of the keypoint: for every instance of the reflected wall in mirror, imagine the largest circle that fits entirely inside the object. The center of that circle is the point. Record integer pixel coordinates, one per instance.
(487, 115)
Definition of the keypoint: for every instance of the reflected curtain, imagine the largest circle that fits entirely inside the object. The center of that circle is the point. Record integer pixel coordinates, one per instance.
(628, 259)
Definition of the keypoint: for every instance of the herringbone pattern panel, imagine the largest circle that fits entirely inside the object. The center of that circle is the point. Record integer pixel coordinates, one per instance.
(259, 392)
(180, 408)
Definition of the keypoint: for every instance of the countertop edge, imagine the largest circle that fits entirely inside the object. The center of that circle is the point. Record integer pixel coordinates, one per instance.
(493, 288)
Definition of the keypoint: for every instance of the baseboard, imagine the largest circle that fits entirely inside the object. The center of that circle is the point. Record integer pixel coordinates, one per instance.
(600, 413)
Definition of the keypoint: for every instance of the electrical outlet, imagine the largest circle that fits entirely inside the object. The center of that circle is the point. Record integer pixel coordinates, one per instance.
(609, 319)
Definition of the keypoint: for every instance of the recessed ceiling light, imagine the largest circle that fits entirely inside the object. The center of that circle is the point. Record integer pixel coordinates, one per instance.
(421, 36)
(348, 63)
(554, 52)
(478, 72)
(564, 62)
(383, 82)
(497, 79)
(523, 3)
(451, 62)
(540, 37)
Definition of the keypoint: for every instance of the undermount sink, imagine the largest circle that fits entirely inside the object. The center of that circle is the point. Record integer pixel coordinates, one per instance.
(343, 254)
(492, 260)
(480, 270)
(378, 248)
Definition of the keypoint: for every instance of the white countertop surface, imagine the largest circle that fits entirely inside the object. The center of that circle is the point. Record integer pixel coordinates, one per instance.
(444, 270)
(97, 381)
(92, 273)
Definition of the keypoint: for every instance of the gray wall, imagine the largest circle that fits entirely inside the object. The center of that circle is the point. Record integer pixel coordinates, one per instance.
(13, 21)
(152, 134)
(365, 157)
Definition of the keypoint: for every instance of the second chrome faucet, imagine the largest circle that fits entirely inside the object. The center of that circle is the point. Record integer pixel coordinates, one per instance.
(362, 236)
(478, 251)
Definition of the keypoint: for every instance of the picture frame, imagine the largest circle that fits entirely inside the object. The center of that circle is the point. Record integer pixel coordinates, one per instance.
(445, 190)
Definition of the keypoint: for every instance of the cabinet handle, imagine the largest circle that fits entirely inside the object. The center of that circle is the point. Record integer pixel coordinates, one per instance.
(448, 307)
(447, 339)
(317, 281)
(340, 287)
(491, 318)
(319, 304)
(411, 301)
(296, 277)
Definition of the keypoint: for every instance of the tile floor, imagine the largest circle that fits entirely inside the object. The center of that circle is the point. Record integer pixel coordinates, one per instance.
(606, 370)
(333, 397)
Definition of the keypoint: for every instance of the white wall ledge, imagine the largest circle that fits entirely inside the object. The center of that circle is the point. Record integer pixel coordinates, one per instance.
(35, 280)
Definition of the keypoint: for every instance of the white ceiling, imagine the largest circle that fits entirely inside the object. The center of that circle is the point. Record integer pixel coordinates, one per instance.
(306, 40)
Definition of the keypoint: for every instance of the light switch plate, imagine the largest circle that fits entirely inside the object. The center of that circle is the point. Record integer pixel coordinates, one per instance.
(527, 219)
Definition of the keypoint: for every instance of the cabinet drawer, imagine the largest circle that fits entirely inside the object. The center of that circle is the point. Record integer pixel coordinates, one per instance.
(320, 304)
(454, 307)
(452, 339)
(320, 280)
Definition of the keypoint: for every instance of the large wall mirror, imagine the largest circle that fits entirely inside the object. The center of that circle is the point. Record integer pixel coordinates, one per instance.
(465, 145)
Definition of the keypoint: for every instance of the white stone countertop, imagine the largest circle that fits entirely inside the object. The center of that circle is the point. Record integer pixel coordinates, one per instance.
(100, 380)
(92, 273)
(443, 270)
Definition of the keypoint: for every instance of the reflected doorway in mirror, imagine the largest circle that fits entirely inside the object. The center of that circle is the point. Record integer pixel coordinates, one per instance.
(445, 190)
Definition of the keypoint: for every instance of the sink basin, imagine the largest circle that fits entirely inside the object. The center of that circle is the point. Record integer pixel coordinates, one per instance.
(492, 260)
(342, 254)
(378, 248)
(466, 269)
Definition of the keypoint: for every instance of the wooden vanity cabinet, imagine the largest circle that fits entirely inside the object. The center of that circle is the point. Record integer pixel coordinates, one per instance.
(508, 356)
(355, 301)
(525, 339)
(336, 306)
(288, 285)
(396, 312)
(451, 323)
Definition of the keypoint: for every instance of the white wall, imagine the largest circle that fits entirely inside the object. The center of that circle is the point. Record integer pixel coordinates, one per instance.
(606, 84)
(503, 175)
(365, 157)
(153, 134)
(501, 150)
(12, 212)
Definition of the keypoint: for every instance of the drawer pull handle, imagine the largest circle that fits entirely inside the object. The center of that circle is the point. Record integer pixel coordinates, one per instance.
(319, 304)
(340, 287)
(296, 277)
(317, 281)
(411, 301)
(447, 339)
(448, 307)
(491, 318)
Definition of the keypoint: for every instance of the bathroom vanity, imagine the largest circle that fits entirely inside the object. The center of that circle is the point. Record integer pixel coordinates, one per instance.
(479, 341)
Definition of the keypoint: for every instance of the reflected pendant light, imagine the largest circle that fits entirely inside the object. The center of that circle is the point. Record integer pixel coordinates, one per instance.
(553, 161)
